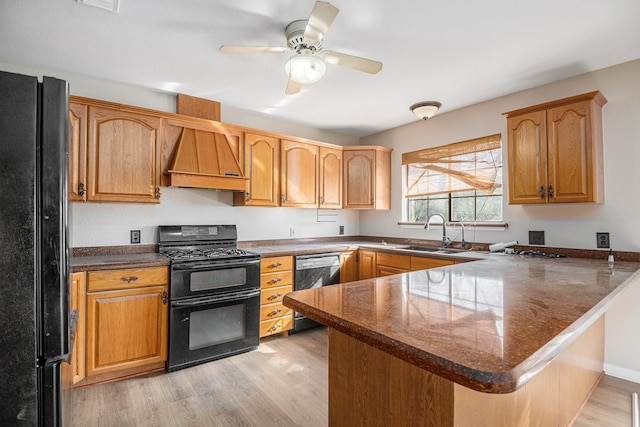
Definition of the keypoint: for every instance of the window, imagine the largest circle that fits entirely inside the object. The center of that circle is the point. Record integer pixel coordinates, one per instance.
(460, 181)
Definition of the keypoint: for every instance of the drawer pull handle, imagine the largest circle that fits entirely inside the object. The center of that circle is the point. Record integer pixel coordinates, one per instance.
(276, 265)
(275, 312)
(276, 280)
(274, 296)
(129, 279)
(275, 327)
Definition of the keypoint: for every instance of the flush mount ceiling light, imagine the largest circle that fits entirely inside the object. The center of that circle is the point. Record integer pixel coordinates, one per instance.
(305, 68)
(425, 110)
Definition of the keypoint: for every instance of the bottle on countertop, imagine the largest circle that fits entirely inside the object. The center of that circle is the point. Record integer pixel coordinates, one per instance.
(610, 258)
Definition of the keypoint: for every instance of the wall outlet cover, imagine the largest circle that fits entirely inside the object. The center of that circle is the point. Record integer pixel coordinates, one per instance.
(536, 237)
(341, 229)
(135, 236)
(602, 240)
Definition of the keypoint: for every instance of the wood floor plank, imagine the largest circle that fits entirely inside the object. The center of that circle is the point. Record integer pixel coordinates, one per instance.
(283, 383)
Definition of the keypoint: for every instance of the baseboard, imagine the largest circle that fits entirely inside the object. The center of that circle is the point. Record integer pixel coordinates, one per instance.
(620, 372)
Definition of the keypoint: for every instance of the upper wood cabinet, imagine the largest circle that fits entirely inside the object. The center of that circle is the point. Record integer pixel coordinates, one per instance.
(555, 151)
(330, 178)
(299, 174)
(114, 153)
(262, 167)
(367, 177)
(77, 151)
(124, 156)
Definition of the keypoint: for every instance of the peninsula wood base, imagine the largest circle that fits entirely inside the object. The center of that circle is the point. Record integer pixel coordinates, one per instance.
(370, 387)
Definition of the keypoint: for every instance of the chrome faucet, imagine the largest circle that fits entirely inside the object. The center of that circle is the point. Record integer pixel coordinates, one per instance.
(446, 242)
(463, 244)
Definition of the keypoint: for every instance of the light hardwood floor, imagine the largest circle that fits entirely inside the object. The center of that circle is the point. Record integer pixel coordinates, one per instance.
(283, 383)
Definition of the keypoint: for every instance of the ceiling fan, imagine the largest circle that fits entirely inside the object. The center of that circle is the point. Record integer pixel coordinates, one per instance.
(309, 58)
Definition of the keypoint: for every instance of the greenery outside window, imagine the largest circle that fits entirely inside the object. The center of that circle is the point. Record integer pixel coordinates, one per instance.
(461, 181)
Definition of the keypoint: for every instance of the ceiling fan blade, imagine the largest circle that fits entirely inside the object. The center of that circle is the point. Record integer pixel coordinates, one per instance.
(253, 49)
(293, 87)
(321, 18)
(355, 62)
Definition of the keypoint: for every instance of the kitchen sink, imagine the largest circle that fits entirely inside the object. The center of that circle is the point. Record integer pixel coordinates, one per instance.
(432, 250)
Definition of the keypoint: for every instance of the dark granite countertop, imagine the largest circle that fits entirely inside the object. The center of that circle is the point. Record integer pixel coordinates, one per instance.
(117, 261)
(489, 325)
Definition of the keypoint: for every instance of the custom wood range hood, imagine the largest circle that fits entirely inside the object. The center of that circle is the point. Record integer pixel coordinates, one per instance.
(204, 159)
(203, 156)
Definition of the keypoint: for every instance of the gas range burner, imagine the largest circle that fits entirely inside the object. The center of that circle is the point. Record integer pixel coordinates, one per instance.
(205, 253)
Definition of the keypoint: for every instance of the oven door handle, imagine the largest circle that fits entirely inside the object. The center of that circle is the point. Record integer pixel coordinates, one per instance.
(210, 266)
(229, 297)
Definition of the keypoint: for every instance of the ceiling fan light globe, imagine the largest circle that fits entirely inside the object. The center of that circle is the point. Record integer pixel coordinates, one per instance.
(305, 69)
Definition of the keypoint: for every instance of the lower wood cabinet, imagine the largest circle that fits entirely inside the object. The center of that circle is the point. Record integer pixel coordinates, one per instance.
(421, 263)
(276, 279)
(126, 322)
(77, 301)
(348, 266)
(367, 268)
(389, 264)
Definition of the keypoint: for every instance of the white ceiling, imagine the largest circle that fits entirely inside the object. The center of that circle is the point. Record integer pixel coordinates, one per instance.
(458, 52)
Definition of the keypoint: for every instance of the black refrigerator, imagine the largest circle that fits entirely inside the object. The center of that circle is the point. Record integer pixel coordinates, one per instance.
(34, 305)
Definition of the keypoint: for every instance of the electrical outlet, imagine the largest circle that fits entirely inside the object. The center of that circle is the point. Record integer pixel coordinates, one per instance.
(341, 230)
(292, 232)
(602, 240)
(536, 237)
(135, 236)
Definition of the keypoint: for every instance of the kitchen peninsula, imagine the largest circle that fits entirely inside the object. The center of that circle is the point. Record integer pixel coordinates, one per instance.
(504, 341)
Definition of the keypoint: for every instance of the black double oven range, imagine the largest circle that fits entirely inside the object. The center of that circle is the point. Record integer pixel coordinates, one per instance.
(214, 294)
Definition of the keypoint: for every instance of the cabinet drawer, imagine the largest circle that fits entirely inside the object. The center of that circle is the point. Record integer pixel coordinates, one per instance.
(281, 263)
(394, 260)
(274, 311)
(280, 278)
(420, 263)
(271, 295)
(126, 279)
(270, 327)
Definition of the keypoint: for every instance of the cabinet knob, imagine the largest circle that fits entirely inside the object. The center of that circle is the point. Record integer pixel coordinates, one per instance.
(284, 198)
(550, 191)
(81, 189)
(157, 193)
(165, 298)
(321, 200)
(247, 197)
(542, 192)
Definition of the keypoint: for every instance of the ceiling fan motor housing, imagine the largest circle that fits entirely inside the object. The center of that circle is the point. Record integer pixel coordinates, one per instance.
(296, 40)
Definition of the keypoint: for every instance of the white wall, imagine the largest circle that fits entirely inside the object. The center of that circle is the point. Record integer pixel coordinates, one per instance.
(567, 225)
(108, 224)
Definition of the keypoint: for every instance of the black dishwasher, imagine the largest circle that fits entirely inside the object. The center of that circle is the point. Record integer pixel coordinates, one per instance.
(313, 271)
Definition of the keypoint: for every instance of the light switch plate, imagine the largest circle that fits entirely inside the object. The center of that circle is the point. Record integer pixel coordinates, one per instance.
(536, 237)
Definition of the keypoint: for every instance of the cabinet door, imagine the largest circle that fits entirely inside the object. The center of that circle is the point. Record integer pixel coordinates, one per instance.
(126, 329)
(124, 157)
(330, 178)
(77, 151)
(359, 183)
(570, 154)
(527, 158)
(77, 302)
(262, 168)
(367, 268)
(348, 266)
(299, 172)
